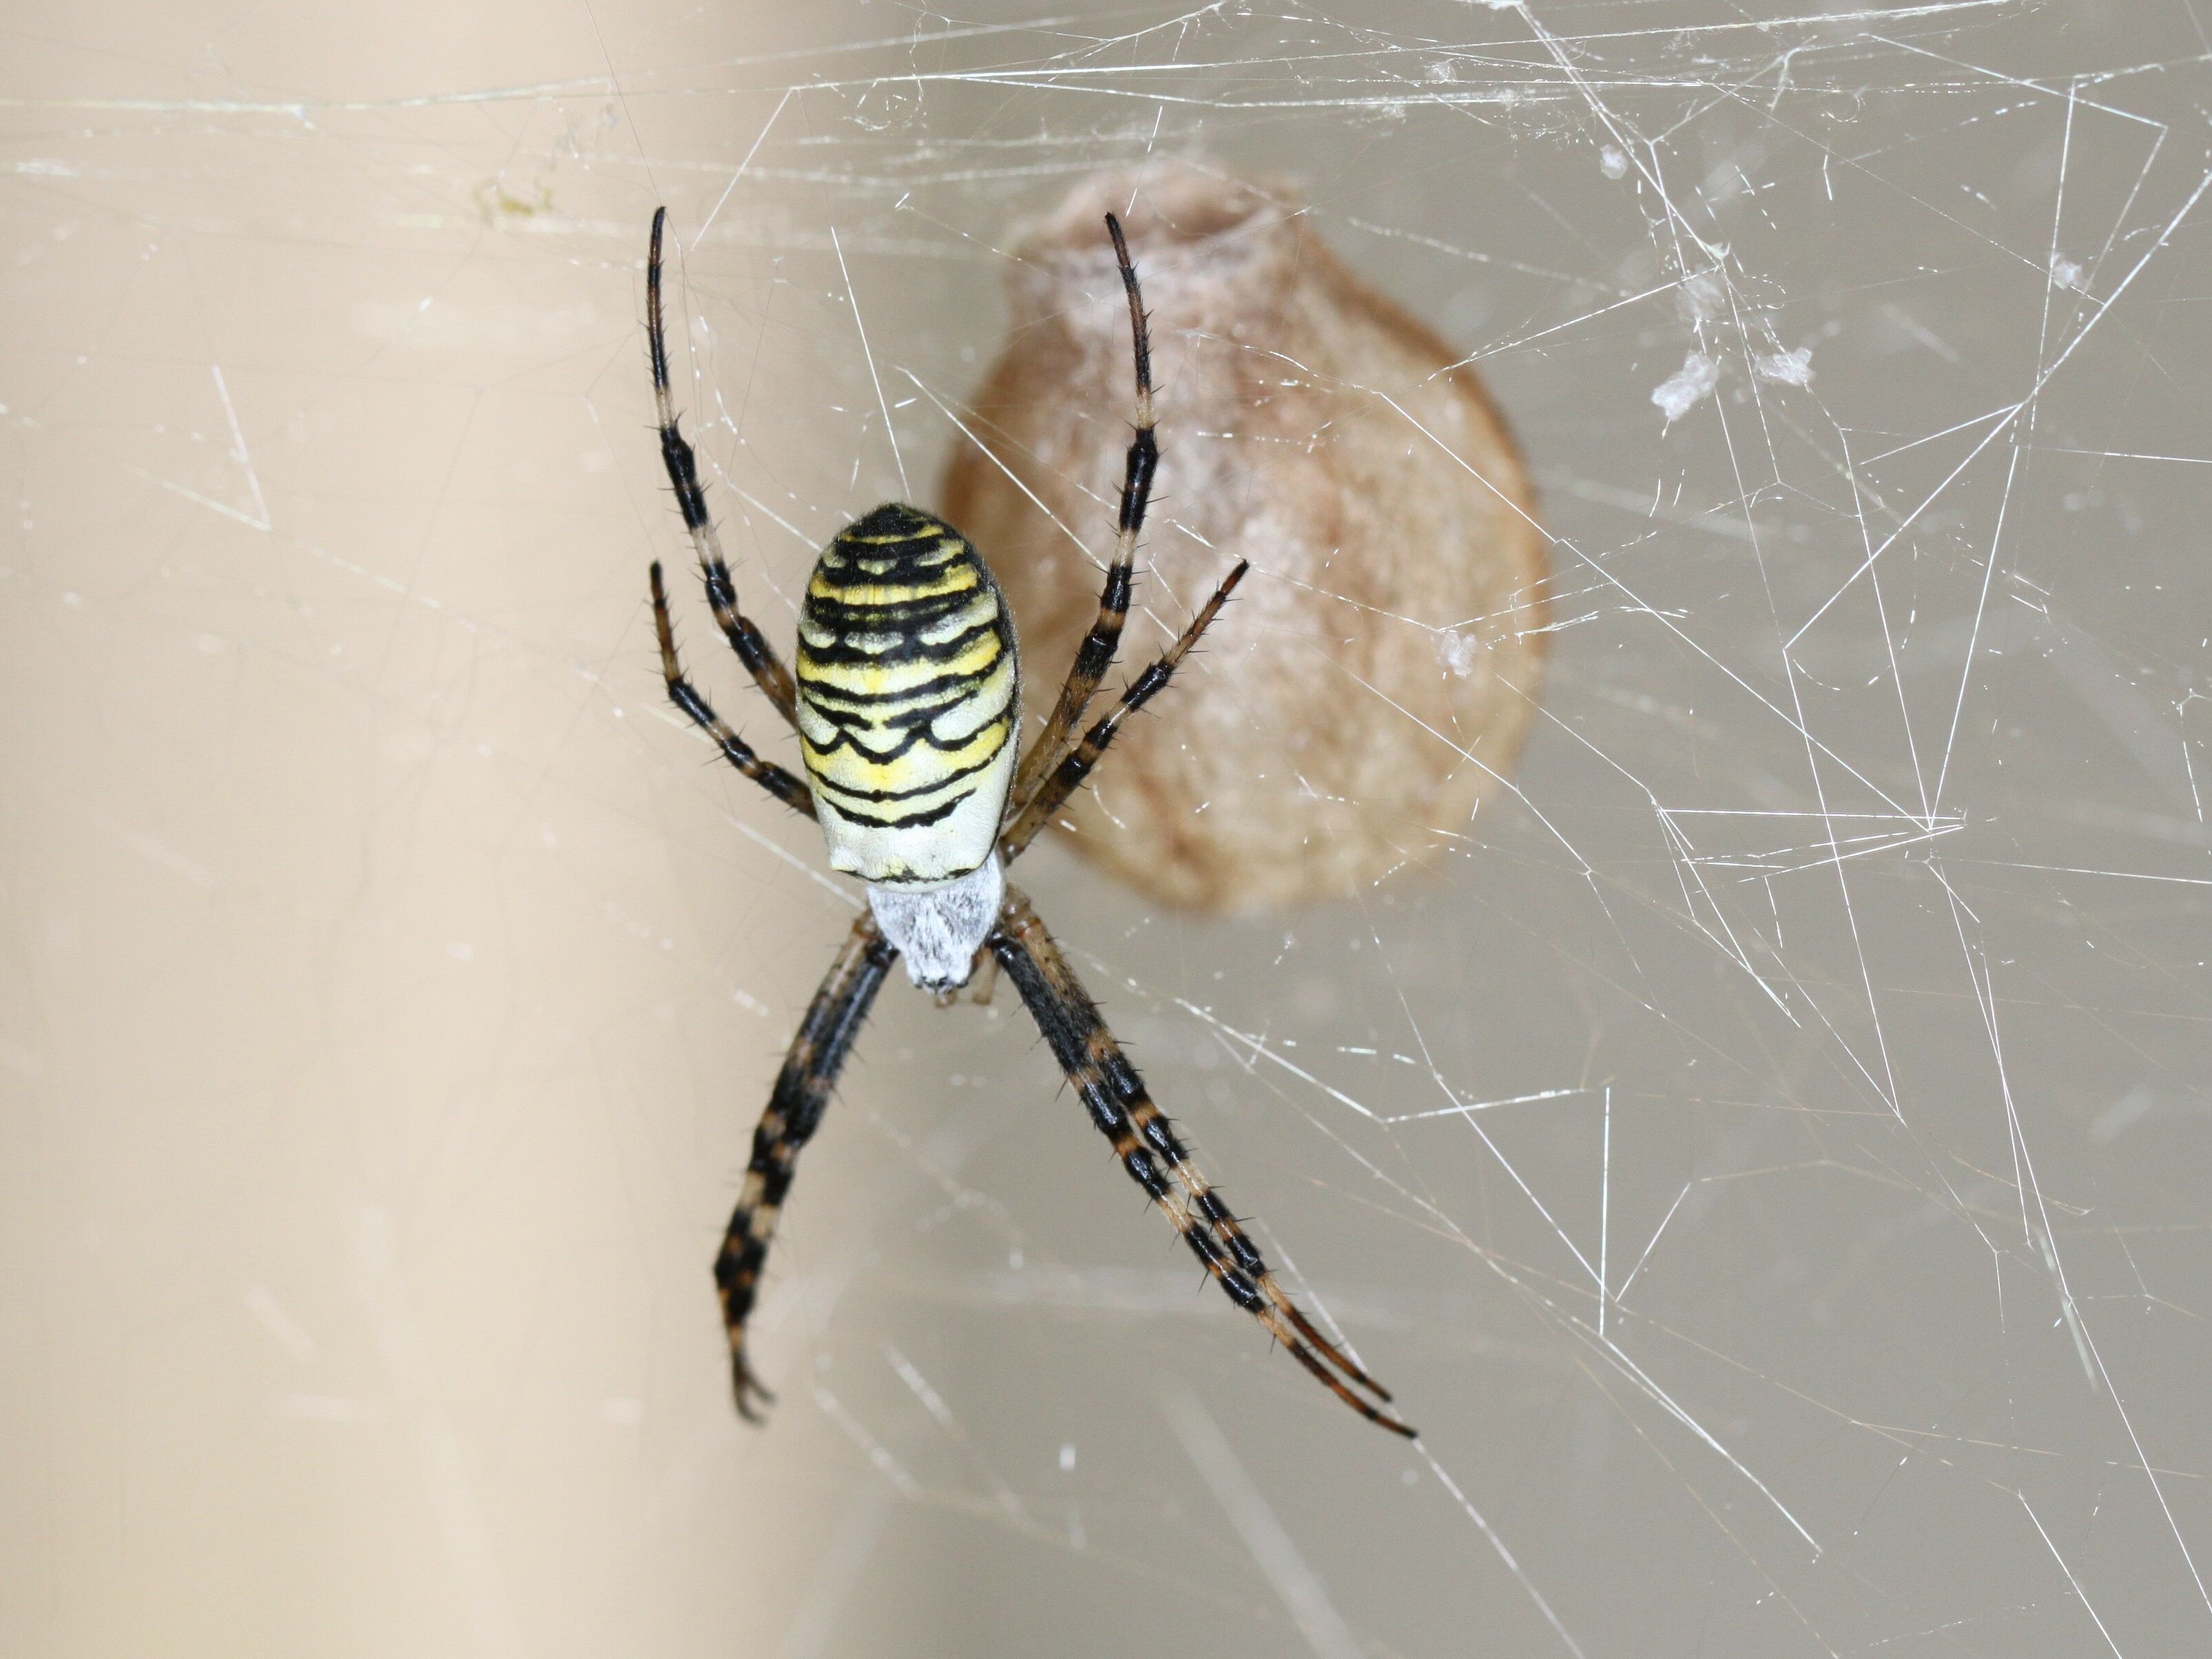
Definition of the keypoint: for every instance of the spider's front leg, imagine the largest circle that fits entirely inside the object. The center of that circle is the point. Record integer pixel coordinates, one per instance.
(794, 1111)
(1096, 654)
(1118, 1104)
(676, 454)
(784, 784)
(1066, 778)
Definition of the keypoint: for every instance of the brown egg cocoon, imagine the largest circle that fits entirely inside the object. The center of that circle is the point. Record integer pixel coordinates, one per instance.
(1389, 629)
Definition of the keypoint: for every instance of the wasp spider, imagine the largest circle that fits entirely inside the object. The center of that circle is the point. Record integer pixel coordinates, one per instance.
(906, 703)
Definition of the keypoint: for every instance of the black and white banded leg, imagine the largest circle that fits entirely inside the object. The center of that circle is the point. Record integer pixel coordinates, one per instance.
(1068, 777)
(1096, 654)
(1115, 1097)
(745, 638)
(787, 787)
(794, 1112)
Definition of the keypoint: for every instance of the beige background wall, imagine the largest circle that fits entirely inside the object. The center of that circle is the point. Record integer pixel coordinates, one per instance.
(388, 985)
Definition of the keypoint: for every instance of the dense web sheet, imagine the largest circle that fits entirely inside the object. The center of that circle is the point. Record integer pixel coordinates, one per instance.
(1767, 1156)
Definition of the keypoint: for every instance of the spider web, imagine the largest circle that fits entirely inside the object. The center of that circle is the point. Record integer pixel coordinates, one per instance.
(1766, 1159)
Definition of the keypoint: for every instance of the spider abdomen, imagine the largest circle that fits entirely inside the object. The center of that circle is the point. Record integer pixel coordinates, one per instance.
(909, 685)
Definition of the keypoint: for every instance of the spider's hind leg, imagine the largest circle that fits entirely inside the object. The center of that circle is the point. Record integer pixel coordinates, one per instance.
(1152, 1126)
(794, 1111)
(1115, 1097)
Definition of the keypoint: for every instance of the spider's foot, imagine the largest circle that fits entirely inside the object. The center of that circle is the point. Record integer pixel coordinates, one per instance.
(1312, 1361)
(1331, 1352)
(752, 1394)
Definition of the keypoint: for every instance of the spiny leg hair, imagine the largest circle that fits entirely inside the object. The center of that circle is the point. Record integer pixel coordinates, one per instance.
(744, 637)
(1067, 777)
(787, 787)
(794, 1111)
(1115, 1097)
(1096, 654)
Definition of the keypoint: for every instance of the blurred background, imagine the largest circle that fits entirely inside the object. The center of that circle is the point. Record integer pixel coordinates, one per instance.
(1767, 1153)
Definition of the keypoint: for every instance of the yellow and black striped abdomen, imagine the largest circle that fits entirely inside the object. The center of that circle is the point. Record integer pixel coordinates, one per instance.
(909, 689)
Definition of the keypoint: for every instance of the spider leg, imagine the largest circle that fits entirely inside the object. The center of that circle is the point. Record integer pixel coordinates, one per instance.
(794, 1111)
(1156, 1133)
(1068, 777)
(1096, 654)
(985, 981)
(744, 637)
(1115, 1095)
(786, 787)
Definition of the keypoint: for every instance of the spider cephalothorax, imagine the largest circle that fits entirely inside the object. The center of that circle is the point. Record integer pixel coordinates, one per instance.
(906, 703)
